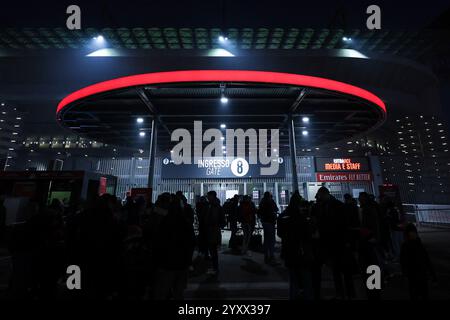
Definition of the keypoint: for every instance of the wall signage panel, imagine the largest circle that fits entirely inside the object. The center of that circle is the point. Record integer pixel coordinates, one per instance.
(218, 167)
(347, 164)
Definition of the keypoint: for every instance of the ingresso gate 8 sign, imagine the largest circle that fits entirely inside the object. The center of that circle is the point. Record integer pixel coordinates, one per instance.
(218, 167)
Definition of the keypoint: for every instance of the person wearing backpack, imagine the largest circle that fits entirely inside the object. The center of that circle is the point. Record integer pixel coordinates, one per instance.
(268, 213)
(231, 212)
(214, 221)
(247, 218)
(295, 231)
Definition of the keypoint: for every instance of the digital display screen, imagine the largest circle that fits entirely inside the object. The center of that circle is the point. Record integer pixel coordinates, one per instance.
(347, 164)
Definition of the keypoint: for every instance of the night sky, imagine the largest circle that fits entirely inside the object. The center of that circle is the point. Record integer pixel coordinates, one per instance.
(349, 14)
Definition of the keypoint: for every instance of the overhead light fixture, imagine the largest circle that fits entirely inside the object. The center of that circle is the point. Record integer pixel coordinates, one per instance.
(304, 132)
(99, 38)
(223, 126)
(3, 104)
(142, 134)
(222, 38)
(305, 119)
(105, 52)
(223, 99)
(346, 39)
(219, 52)
(140, 120)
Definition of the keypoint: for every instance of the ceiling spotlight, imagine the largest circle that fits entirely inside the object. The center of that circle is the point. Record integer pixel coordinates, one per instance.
(224, 99)
(305, 119)
(304, 132)
(3, 104)
(99, 38)
(223, 126)
(140, 120)
(142, 134)
(346, 39)
(222, 38)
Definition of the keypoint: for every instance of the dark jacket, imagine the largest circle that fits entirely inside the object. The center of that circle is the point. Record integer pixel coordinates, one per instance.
(394, 220)
(213, 222)
(353, 224)
(331, 224)
(175, 241)
(231, 210)
(247, 213)
(267, 211)
(295, 232)
(415, 261)
(370, 221)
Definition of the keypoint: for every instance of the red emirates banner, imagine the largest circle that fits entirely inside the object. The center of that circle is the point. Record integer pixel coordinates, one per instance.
(343, 176)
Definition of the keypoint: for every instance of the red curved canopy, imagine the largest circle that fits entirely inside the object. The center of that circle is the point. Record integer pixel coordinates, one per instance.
(222, 76)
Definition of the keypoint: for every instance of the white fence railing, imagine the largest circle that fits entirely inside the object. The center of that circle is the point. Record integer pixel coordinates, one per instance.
(429, 214)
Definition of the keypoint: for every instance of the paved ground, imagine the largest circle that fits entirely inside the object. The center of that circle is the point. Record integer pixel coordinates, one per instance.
(244, 277)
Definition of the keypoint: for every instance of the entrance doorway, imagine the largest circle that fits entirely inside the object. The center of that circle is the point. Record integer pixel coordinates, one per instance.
(224, 190)
(255, 190)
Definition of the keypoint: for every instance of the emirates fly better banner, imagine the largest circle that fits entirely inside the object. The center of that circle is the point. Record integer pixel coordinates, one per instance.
(343, 176)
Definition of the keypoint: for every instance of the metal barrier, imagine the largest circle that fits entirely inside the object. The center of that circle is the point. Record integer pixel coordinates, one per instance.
(429, 215)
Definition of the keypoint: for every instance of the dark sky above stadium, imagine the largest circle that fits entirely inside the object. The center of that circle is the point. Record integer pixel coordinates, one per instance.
(400, 14)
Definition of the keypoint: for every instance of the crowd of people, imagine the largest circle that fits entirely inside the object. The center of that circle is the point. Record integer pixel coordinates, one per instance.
(348, 239)
(139, 249)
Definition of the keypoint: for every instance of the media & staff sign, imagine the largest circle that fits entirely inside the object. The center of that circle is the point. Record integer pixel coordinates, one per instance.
(347, 164)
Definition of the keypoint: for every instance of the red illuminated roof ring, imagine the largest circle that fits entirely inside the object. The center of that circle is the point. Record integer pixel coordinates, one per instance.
(221, 76)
